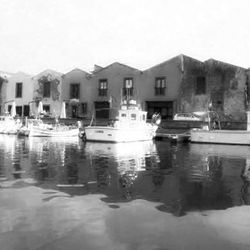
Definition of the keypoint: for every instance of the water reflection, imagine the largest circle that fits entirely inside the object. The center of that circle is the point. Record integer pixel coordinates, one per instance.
(180, 177)
(118, 167)
(228, 171)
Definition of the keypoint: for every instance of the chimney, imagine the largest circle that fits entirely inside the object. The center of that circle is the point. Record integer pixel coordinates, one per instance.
(96, 68)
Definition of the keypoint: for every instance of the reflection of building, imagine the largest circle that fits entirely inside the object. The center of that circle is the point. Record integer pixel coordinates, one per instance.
(223, 172)
(246, 183)
(59, 162)
(14, 163)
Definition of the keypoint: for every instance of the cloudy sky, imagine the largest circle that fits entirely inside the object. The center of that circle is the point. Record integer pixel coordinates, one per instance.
(65, 34)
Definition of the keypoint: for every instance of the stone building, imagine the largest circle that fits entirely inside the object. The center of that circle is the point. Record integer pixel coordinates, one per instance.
(3, 88)
(47, 89)
(221, 84)
(76, 93)
(20, 91)
(110, 85)
(180, 84)
(159, 87)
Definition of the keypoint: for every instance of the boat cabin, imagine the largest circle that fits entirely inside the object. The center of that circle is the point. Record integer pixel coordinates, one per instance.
(131, 113)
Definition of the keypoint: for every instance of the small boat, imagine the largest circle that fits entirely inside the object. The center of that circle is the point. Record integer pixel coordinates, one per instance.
(36, 128)
(130, 125)
(8, 125)
(221, 136)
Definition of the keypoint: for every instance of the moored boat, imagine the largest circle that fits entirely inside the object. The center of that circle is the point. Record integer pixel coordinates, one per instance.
(36, 128)
(8, 125)
(221, 136)
(130, 125)
(241, 137)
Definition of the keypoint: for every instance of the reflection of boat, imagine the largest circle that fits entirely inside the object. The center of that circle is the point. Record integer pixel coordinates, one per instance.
(38, 129)
(121, 149)
(129, 156)
(228, 151)
(8, 125)
(55, 143)
(131, 125)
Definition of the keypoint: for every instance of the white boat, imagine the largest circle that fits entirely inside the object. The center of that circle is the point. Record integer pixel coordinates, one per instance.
(36, 128)
(241, 137)
(8, 125)
(130, 125)
(221, 136)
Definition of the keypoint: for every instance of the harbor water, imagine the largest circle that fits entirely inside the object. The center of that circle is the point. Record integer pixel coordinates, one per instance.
(69, 194)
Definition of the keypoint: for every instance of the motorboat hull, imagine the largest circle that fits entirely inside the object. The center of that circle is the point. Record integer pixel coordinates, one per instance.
(112, 134)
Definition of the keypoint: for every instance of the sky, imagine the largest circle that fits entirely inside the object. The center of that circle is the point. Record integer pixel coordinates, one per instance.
(65, 34)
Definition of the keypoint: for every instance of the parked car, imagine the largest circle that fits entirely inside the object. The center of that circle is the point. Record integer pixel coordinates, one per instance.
(187, 117)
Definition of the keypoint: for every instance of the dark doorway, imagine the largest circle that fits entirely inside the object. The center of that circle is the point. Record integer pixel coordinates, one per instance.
(19, 110)
(217, 98)
(74, 111)
(102, 109)
(164, 108)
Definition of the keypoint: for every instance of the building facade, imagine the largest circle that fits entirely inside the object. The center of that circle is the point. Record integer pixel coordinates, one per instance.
(159, 87)
(180, 84)
(3, 89)
(213, 82)
(112, 84)
(47, 89)
(19, 90)
(76, 93)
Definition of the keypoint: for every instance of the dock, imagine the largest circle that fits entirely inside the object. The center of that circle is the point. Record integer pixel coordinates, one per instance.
(174, 137)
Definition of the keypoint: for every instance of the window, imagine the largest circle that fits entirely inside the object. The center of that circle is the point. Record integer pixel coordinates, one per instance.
(9, 108)
(103, 87)
(200, 85)
(128, 87)
(160, 85)
(74, 91)
(26, 110)
(84, 108)
(19, 88)
(133, 117)
(74, 111)
(46, 89)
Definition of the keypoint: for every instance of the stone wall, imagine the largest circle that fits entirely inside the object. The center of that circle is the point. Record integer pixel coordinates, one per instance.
(225, 89)
(187, 100)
